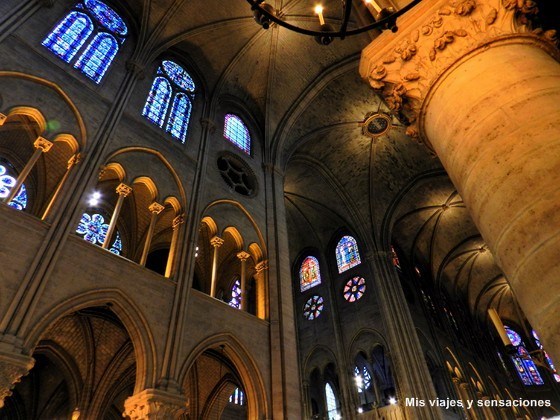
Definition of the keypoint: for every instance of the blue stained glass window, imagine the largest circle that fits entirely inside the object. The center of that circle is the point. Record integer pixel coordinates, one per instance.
(523, 362)
(7, 182)
(19, 202)
(237, 133)
(97, 57)
(69, 35)
(107, 17)
(179, 117)
(158, 101)
(94, 229)
(178, 75)
(237, 397)
(236, 295)
(347, 255)
(546, 357)
(92, 28)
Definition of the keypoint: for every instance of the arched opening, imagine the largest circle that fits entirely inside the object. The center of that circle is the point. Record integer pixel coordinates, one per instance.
(85, 363)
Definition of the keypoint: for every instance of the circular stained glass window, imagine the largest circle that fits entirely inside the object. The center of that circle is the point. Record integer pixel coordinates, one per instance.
(107, 17)
(354, 289)
(513, 337)
(313, 307)
(178, 75)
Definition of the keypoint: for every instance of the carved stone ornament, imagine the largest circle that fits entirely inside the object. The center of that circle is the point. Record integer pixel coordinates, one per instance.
(153, 404)
(434, 35)
(12, 369)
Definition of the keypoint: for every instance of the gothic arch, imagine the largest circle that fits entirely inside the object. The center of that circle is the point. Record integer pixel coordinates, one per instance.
(128, 313)
(239, 355)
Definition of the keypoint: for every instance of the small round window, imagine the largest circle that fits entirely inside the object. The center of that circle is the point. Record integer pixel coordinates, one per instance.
(354, 289)
(237, 174)
(313, 307)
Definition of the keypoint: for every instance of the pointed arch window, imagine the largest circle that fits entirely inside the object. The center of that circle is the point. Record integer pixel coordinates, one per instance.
(92, 228)
(237, 132)
(522, 360)
(332, 405)
(362, 379)
(169, 103)
(7, 182)
(93, 32)
(347, 254)
(235, 301)
(237, 397)
(309, 273)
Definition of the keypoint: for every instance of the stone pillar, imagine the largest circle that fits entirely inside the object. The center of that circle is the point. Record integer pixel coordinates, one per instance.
(123, 191)
(481, 90)
(243, 257)
(155, 209)
(177, 222)
(216, 242)
(74, 160)
(154, 404)
(18, 15)
(261, 271)
(42, 145)
(12, 368)
(488, 412)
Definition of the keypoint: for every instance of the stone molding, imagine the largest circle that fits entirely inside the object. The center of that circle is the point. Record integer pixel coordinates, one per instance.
(403, 67)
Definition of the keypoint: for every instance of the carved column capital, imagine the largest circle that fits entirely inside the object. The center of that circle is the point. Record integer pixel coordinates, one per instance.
(216, 242)
(156, 208)
(74, 160)
(3, 119)
(208, 124)
(178, 221)
(43, 144)
(12, 368)
(123, 190)
(435, 35)
(261, 266)
(136, 68)
(243, 256)
(154, 404)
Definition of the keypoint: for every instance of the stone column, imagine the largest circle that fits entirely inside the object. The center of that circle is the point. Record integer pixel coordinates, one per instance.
(42, 145)
(12, 368)
(243, 257)
(18, 15)
(123, 191)
(488, 412)
(261, 271)
(154, 404)
(74, 160)
(177, 222)
(216, 242)
(481, 90)
(155, 209)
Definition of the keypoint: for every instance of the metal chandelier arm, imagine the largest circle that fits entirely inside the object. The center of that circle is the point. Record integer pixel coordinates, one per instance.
(255, 5)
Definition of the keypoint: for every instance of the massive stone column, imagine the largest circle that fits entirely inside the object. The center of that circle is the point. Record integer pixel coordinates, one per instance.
(482, 90)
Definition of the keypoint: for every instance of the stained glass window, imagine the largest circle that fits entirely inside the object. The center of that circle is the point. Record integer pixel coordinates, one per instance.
(313, 307)
(354, 289)
(347, 255)
(546, 357)
(92, 228)
(522, 360)
(395, 258)
(237, 397)
(95, 30)
(309, 273)
(170, 98)
(235, 295)
(7, 182)
(332, 409)
(237, 133)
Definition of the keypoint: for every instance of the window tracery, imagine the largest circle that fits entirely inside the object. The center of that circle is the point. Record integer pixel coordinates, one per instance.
(235, 301)
(555, 374)
(347, 254)
(354, 289)
(170, 99)
(92, 29)
(522, 360)
(237, 133)
(92, 228)
(7, 182)
(313, 307)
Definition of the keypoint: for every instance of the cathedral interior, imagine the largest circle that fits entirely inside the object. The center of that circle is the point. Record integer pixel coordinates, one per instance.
(203, 218)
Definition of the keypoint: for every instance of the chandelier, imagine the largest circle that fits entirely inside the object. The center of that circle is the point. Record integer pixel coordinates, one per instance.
(368, 11)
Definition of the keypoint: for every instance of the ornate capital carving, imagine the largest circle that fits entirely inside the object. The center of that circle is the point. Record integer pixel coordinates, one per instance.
(216, 242)
(435, 35)
(136, 68)
(3, 119)
(208, 124)
(154, 404)
(43, 144)
(123, 189)
(261, 267)
(243, 256)
(178, 221)
(74, 160)
(12, 368)
(156, 208)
